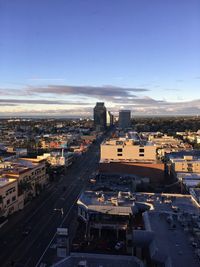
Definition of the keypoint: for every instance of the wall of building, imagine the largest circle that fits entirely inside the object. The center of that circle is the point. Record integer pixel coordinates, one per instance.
(186, 166)
(127, 152)
(155, 171)
(9, 198)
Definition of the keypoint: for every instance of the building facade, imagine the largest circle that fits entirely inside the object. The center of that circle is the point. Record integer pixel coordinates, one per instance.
(30, 175)
(124, 119)
(122, 149)
(100, 116)
(8, 196)
(109, 119)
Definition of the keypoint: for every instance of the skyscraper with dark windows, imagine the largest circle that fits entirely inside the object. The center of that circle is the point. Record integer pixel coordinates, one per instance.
(124, 119)
(100, 116)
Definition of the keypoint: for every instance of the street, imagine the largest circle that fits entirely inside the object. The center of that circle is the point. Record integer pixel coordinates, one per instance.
(53, 208)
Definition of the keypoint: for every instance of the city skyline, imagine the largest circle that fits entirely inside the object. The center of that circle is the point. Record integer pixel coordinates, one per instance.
(60, 59)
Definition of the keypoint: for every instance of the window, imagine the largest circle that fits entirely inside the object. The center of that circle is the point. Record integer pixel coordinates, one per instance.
(13, 198)
(141, 155)
(119, 142)
(8, 202)
(119, 150)
(119, 155)
(141, 150)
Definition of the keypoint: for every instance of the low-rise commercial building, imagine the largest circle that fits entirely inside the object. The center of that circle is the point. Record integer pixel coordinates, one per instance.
(146, 219)
(131, 155)
(127, 150)
(9, 202)
(185, 164)
(29, 173)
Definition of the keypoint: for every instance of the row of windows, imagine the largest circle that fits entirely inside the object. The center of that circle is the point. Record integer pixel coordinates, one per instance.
(13, 199)
(120, 155)
(29, 178)
(10, 191)
(141, 150)
(36, 172)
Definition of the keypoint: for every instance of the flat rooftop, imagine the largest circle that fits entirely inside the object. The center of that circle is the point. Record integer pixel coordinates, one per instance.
(181, 154)
(114, 182)
(188, 175)
(128, 141)
(6, 181)
(170, 245)
(109, 203)
(19, 166)
(128, 203)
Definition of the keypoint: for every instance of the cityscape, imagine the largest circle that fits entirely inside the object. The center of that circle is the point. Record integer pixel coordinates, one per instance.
(99, 133)
(84, 192)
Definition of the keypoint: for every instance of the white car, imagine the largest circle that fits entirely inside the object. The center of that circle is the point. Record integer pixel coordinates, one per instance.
(119, 245)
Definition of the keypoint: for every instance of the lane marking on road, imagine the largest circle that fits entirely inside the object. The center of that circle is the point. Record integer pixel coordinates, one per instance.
(50, 218)
(67, 214)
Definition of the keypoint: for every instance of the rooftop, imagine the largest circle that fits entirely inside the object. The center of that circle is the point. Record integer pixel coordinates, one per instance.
(109, 203)
(181, 154)
(19, 166)
(130, 141)
(170, 243)
(127, 203)
(6, 181)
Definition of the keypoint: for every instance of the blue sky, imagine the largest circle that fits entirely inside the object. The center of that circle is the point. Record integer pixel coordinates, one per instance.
(61, 56)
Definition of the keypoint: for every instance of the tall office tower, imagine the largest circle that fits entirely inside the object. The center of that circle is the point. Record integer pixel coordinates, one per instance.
(124, 119)
(100, 116)
(109, 119)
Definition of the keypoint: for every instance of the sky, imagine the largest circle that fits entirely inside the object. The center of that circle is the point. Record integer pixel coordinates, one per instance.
(60, 57)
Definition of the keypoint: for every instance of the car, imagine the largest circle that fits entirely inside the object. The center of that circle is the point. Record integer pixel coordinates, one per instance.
(119, 245)
(26, 231)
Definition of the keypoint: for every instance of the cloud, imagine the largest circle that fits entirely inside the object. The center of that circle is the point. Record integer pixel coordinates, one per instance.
(61, 99)
(146, 106)
(7, 105)
(89, 91)
(9, 92)
(157, 107)
(71, 112)
(139, 101)
(40, 102)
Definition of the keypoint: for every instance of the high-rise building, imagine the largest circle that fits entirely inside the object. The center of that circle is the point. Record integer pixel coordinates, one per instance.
(124, 119)
(100, 116)
(109, 119)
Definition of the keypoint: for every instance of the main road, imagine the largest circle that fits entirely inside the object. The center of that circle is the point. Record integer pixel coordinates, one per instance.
(43, 215)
